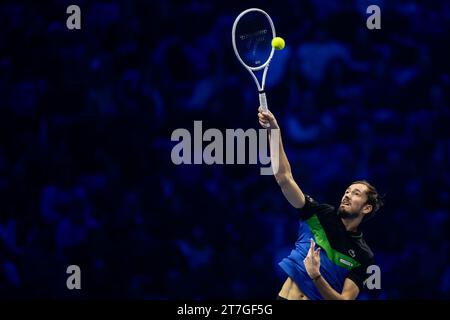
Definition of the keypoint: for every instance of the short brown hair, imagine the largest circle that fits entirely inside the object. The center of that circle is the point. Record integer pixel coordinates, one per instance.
(373, 198)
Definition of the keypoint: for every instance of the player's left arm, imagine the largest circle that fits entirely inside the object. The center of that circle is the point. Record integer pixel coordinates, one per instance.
(349, 292)
(312, 265)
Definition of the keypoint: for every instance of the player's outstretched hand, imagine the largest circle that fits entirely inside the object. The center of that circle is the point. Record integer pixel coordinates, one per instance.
(267, 119)
(312, 261)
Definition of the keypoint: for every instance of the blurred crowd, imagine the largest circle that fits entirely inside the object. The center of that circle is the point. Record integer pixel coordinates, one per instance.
(86, 118)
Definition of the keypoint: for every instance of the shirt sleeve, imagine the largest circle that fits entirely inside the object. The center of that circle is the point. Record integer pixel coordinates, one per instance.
(312, 207)
(359, 275)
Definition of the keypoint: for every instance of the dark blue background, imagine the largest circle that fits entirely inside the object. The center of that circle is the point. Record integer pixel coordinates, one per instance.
(86, 118)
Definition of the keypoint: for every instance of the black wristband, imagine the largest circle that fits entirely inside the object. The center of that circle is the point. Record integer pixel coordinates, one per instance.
(316, 278)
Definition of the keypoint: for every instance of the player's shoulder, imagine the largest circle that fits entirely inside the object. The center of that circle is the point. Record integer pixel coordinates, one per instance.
(311, 202)
(313, 207)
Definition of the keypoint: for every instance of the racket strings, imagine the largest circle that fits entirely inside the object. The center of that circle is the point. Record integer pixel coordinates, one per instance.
(255, 34)
(253, 40)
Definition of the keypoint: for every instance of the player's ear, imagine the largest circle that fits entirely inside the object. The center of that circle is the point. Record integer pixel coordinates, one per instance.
(367, 209)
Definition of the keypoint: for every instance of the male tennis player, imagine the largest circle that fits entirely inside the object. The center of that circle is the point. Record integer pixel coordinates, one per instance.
(337, 269)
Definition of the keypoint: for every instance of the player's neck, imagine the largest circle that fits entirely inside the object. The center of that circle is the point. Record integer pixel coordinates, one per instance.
(351, 224)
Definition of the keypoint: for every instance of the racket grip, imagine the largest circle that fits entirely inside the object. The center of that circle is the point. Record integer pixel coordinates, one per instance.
(263, 101)
(263, 104)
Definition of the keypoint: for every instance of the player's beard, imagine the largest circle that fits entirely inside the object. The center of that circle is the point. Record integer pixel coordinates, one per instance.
(342, 213)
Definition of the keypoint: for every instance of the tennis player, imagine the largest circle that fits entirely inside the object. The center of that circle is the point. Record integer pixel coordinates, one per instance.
(330, 257)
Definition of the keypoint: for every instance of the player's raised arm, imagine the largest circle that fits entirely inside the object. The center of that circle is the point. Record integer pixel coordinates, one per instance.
(284, 177)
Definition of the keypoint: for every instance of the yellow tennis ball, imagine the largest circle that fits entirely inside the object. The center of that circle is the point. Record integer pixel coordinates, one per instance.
(278, 43)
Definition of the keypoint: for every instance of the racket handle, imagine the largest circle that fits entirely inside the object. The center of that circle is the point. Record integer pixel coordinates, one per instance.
(263, 104)
(263, 101)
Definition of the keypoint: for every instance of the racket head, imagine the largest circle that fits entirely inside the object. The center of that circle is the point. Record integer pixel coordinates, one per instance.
(252, 35)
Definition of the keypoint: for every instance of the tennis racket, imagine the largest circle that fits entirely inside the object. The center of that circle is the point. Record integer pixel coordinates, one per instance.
(252, 35)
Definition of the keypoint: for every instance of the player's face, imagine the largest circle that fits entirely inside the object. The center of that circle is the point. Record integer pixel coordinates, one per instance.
(354, 200)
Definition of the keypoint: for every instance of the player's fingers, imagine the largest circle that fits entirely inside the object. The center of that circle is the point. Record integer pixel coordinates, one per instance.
(260, 109)
(311, 247)
(317, 252)
(264, 124)
(269, 116)
(264, 118)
